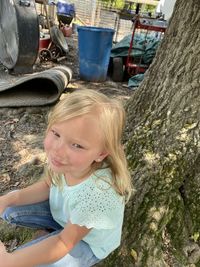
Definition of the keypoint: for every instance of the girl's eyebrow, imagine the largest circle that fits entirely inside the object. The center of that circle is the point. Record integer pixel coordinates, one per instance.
(84, 143)
(54, 128)
(80, 142)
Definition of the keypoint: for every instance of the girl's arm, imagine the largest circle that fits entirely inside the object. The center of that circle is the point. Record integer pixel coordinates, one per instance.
(45, 252)
(32, 194)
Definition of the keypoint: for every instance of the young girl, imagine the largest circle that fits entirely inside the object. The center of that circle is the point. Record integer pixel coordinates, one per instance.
(81, 200)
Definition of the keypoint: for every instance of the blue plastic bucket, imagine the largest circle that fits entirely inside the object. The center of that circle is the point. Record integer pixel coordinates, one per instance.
(94, 45)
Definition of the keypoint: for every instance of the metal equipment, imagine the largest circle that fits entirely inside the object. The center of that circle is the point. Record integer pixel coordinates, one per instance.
(144, 25)
(53, 44)
(147, 24)
(56, 48)
(18, 28)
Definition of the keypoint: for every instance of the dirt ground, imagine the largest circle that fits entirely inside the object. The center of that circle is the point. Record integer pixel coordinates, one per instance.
(22, 131)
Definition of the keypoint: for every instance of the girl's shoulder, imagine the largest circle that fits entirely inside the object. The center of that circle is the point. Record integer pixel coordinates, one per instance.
(99, 186)
(102, 177)
(101, 180)
(97, 204)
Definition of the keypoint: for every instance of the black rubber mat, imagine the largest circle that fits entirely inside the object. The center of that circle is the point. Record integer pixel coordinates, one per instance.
(37, 89)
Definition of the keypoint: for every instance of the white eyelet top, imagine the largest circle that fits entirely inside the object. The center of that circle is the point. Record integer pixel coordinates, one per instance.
(94, 204)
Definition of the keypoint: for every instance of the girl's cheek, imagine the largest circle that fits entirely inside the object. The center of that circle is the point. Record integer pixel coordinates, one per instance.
(47, 143)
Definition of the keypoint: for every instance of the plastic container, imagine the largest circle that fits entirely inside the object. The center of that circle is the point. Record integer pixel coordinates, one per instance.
(94, 52)
(66, 30)
(65, 8)
(44, 41)
(65, 12)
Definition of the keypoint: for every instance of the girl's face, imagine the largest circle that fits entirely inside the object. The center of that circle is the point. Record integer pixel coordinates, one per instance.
(73, 145)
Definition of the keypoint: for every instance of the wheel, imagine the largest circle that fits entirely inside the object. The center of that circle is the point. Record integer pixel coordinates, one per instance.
(117, 69)
(56, 52)
(45, 55)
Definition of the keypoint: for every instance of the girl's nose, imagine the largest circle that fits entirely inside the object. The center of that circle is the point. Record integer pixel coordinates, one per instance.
(60, 150)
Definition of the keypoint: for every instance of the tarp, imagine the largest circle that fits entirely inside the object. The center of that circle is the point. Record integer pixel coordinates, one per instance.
(135, 80)
(144, 46)
(143, 51)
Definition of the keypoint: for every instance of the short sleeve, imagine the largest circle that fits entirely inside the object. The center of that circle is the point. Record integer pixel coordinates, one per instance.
(98, 206)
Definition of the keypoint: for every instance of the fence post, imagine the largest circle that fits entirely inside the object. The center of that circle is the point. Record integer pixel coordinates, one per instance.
(93, 15)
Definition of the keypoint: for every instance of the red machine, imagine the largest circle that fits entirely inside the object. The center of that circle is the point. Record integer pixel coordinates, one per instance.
(129, 64)
(147, 24)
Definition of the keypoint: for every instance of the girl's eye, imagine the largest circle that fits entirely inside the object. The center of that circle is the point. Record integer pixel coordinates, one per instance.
(55, 133)
(77, 146)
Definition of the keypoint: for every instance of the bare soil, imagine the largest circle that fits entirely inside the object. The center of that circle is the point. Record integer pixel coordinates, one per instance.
(21, 137)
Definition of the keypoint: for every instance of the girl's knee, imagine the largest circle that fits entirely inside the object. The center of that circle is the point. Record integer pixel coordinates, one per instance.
(8, 214)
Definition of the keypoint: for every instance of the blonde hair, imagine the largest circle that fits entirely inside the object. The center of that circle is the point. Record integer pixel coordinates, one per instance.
(111, 118)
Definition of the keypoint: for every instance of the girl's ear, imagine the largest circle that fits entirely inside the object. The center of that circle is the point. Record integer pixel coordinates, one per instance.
(102, 156)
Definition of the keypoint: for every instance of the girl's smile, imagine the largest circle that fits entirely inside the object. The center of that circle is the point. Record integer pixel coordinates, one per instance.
(73, 145)
(56, 162)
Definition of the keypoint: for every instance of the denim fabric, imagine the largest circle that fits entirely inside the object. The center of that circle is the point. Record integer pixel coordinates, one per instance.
(39, 216)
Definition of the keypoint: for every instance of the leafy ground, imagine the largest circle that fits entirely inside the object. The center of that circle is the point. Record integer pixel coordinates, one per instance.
(21, 140)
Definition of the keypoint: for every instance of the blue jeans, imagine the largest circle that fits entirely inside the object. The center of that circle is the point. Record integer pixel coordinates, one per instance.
(39, 216)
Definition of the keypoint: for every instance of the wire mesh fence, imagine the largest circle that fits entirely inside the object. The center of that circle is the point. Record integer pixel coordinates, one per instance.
(94, 13)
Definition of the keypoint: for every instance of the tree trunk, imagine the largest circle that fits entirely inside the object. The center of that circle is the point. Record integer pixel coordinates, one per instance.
(162, 220)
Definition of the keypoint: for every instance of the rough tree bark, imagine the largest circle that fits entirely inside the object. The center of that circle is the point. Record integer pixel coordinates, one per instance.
(162, 221)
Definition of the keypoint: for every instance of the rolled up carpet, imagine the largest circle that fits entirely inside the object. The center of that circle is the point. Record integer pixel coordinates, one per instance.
(37, 89)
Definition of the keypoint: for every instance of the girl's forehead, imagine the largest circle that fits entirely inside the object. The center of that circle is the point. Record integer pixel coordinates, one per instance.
(84, 122)
(83, 128)
(88, 117)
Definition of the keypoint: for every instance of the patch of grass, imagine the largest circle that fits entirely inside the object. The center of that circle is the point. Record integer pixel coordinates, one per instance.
(14, 236)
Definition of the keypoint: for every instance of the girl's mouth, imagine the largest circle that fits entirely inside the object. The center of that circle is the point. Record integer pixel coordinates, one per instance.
(56, 162)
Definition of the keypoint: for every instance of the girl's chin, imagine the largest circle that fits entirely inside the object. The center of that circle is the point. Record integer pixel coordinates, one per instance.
(56, 168)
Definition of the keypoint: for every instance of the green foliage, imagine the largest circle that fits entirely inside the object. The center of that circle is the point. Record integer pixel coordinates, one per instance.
(118, 4)
(195, 236)
(149, 8)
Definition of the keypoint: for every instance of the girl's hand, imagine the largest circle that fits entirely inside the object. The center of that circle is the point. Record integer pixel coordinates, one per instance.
(3, 205)
(3, 255)
(2, 249)
(7, 200)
